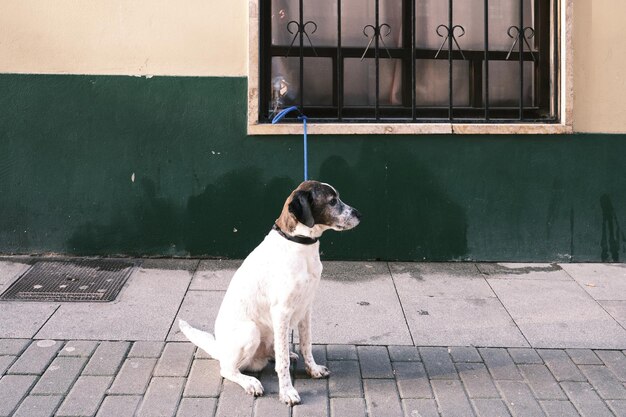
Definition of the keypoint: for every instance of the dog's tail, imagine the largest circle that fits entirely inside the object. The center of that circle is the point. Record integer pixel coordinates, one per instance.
(204, 340)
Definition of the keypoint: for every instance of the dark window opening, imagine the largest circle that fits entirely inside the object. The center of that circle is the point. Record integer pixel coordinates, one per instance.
(469, 61)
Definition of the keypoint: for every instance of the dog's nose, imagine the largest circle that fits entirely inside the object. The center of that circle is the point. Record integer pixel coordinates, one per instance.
(357, 214)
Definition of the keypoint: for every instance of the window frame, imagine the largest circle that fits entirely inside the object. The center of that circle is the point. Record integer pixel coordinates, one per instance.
(563, 76)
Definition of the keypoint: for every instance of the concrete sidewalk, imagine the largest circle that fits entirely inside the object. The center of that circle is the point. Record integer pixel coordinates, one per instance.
(411, 339)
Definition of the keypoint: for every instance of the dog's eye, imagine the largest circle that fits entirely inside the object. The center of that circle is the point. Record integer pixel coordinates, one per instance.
(333, 201)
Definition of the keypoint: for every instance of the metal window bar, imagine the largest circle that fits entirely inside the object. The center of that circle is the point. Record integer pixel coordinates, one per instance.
(301, 29)
(478, 63)
(521, 59)
(486, 66)
(339, 66)
(413, 69)
(377, 60)
(450, 64)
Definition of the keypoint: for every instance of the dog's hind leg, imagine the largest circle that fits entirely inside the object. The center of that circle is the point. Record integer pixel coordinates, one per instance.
(242, 341)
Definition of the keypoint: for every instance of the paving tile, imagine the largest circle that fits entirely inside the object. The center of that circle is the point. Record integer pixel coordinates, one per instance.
(348, 271)
(412, 380)
(542, 383)
(5, 363)
(85, 397)
(81, 348)
(204, 379)
(119, 406)
(524, 356)
(314, 396)
(404, 353)
(617, 310)
(145, 310)
(601, 281)
(107, 358)
(576, 321)
(13, 346)
(198, 407)
(234, 402)
(10, 271)
(146, 349)
(561, 365)
(618, 407)
(268, 378)
(13, 388)
(213, 275)
(175, 360)
(134, 377)
(345, 379)
(170, 264)
(199, 308)
(358, 305)
(604, 382)
(36, 357)
(23, 319)
(500, 364)
(451, 398)
(523, 271)
(585, 399)
(162, 397)
(464, 354)
(341, 352)
(438, 321)
(583, 357)
(615, 361)
(319, 353)
(486, 407)
(477, 380)
(201, 354)
(422, 407)
(59, 376)
(38, 406)
(375, 362)
(347, 407)
(381, 398)
(438, 363)
(450, 280)
(554, 408)
(519, 399)
(270, 406)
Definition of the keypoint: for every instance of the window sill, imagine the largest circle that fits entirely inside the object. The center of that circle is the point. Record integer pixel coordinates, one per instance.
(409, 129)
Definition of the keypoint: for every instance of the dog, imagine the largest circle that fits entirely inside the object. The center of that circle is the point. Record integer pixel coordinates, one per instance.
(273, 291)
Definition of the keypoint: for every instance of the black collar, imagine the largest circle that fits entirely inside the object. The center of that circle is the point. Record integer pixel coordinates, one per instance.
(303, 240)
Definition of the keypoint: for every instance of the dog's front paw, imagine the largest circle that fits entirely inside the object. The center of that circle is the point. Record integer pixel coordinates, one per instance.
(318, 371)
(253, 386)
(289, 396)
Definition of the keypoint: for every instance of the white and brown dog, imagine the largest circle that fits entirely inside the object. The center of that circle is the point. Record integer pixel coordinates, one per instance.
(273, 291)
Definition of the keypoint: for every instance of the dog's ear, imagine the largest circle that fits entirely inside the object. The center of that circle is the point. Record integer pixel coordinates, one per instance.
(300, 206)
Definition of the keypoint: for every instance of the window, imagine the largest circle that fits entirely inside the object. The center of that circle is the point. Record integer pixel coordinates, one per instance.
(410, 61)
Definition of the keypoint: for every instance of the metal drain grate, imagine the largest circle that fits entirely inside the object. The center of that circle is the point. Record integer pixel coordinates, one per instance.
(82, 280)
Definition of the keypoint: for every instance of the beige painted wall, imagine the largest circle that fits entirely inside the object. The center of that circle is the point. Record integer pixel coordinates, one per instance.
(138, 37)
(209, 38)
(599, 66)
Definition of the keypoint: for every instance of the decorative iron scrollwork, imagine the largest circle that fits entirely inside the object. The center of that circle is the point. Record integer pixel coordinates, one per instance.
(373, 33)
(298, 30)
(449, 33)
(518, 35)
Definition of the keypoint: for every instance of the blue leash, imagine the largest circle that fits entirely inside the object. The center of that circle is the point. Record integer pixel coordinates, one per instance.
(302, 117)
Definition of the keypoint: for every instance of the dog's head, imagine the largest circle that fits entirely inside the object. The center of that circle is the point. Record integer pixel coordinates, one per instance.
(316, 205)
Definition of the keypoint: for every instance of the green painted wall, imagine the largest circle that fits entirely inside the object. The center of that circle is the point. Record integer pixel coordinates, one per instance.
(69, 146)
